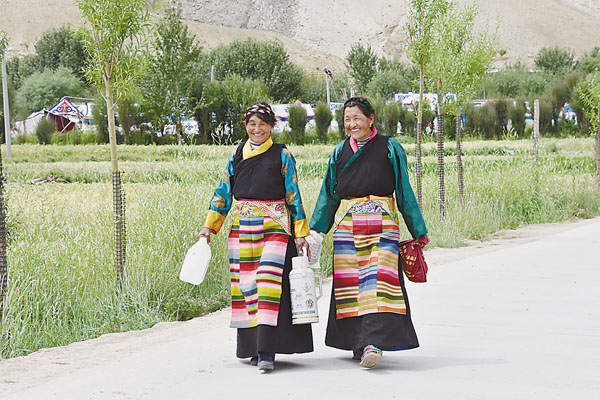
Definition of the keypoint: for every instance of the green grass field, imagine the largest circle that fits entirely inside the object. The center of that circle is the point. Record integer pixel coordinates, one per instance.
(62, 282)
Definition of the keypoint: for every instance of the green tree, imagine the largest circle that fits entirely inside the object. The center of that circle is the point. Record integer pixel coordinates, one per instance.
(590, 96)
(44, 89)
(19, 69)
(297, 120)
(314, 88)
(339, 119)
(554, 60)
(168, 84)
(3, 264)
(457, 66)
(111, 33)
(265, 61)
(387, 82)
(61, 48)
(361, 62)
(323, 119)
(590, 62)
(419, 28)
(224, 102)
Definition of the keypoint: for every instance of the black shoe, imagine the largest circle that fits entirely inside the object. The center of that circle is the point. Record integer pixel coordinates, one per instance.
(357, 354)
(254, 361)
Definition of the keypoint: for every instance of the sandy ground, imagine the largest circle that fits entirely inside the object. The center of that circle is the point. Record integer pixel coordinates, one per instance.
(319, 33)
(128, 365)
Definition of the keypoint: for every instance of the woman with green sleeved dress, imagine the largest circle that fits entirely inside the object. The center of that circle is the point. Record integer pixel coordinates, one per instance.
(364, 192)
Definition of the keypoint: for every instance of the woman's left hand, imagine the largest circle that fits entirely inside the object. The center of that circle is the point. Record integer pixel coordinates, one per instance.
(303, 246)
(423, 240)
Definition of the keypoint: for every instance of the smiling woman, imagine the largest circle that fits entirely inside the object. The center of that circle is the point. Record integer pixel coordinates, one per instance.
(269, 224)
(365, 190)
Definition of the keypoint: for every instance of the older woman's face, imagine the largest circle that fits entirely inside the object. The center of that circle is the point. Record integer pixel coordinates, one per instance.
(258, 130)
(357, 124)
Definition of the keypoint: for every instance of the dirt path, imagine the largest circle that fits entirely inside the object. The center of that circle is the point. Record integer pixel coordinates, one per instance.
(167, 345)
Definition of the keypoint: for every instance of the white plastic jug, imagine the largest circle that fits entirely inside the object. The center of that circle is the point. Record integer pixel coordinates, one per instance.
(196, 262)
(303, 291)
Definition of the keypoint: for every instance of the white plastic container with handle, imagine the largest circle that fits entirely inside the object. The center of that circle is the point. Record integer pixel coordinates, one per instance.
(196, 262)
(303, 293)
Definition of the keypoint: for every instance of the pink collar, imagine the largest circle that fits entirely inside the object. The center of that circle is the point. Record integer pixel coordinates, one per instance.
(354, 145)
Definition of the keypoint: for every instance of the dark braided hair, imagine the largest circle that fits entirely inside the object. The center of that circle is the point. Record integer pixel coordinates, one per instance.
(262, 110)
(363, 104)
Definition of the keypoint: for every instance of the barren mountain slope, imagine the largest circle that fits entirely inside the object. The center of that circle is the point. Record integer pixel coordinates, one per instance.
(319, 33)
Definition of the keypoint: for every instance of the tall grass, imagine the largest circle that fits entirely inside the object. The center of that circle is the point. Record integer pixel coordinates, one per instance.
(62, 282)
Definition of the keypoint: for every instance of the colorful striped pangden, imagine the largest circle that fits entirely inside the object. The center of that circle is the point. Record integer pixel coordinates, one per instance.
(365, 262)
(257, 248)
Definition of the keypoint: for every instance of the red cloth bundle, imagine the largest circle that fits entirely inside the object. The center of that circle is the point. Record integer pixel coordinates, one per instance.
(413, 262)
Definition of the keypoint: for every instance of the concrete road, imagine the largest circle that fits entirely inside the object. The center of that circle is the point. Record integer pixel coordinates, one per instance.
(520, 322)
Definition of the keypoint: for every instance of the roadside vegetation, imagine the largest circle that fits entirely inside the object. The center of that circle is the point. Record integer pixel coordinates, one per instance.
(62, 277)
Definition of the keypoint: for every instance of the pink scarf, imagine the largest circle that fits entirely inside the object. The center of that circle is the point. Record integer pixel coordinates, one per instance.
(354, 145)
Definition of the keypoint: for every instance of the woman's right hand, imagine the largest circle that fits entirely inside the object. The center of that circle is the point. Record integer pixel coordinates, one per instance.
(205, 233)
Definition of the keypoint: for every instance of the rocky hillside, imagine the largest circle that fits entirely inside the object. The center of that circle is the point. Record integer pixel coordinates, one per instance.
(319, 33)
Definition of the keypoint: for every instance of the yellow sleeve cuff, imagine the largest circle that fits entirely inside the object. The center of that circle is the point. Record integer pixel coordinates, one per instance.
(301, 228)
(214, 220)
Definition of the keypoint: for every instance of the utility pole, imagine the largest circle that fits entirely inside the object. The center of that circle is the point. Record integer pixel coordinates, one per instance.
(328, 75)
(6, 106)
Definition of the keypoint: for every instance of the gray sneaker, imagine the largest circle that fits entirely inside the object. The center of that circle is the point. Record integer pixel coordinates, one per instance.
(266, 361)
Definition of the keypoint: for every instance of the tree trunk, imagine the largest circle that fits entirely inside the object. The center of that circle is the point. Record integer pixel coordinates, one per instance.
(420, 135)
(440, 150)
(3, 263)
(118, 194)
(459, 166)
(178, 131)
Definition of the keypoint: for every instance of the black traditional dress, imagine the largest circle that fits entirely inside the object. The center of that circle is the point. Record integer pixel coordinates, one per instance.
(361, 193)
(268, 215)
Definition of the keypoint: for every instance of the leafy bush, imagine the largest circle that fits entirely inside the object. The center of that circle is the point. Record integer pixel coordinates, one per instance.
(297, 120)
(391, 117)
(378, 103)
(323, 119)
(554, 60)
(314, 88)
(100, 116)
(26, 139)
(44, 89)
(407, 122)
(387, 82)
(501, 110)
(450, 125)
(481, 121)
(516, 114)
(140, 137)
(514, 82)
(590, 62)
(45, 130)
